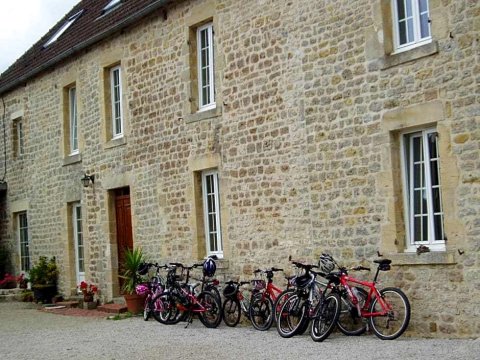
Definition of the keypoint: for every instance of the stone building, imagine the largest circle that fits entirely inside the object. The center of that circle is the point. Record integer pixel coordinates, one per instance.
(253, 130)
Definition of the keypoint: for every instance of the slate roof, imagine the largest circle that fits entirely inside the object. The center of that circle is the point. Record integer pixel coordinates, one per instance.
(90, 27)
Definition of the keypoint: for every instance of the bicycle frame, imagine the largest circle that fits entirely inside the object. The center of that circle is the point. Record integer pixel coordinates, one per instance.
(346, 280)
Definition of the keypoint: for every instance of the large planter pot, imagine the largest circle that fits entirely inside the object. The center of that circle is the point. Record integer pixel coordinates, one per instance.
(135, 303)
(44, 293)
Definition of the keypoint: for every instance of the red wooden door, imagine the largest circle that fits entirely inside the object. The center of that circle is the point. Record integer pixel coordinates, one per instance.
(124, 226)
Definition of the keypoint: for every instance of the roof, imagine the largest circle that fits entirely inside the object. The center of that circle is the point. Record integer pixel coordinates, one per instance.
(89, 27)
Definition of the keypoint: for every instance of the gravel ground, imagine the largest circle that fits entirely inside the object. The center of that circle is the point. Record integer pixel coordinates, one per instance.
(27, 333)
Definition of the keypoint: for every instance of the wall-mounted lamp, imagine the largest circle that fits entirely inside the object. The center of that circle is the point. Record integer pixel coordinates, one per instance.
(86, 180)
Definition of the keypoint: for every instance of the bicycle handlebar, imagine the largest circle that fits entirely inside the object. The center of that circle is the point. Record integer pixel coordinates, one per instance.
(273, 269)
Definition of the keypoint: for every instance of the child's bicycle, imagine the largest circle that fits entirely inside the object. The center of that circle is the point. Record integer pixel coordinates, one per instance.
(151, 290)
(387, 310)
(235, 303)
(262, 310)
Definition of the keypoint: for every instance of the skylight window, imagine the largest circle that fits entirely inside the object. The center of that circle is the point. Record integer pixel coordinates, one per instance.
(111, 5)
(64, 28)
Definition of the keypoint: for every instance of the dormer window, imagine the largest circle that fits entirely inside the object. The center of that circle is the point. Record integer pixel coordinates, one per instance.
(64, 28)
(112, 4)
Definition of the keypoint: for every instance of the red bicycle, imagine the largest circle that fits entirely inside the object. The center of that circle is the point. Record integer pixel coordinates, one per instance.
(387, 310)
(261, 309)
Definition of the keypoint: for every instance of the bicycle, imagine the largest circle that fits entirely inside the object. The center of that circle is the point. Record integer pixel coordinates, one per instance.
(183, 297)
(235, 303)
(387, 311)
(262, 304)
(309, 303)
(151, 290)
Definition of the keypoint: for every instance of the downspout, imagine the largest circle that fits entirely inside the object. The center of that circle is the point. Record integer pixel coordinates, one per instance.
(2, 180)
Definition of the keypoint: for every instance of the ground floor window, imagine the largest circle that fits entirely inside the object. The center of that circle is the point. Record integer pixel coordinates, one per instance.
(23, 241)
(78, 241)
(422, 190)
(211, 213)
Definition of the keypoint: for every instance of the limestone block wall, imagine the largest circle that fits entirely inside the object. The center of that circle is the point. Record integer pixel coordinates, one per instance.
(305, 136)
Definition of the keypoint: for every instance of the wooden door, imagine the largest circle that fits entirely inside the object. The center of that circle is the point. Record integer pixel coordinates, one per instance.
(124, 226)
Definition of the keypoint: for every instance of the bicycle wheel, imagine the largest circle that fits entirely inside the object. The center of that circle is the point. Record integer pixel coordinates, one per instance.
(291, 316)
(349, 322)
(261, 312)
(213, 289)
(147, 308)
(212, 315)
(231, 312)
(395, 322)
(284, 295)
(164, 309)
(326, 318)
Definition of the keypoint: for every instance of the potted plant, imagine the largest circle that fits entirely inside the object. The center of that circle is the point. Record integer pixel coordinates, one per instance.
(88, 291)
(43, 277)
(129, 273)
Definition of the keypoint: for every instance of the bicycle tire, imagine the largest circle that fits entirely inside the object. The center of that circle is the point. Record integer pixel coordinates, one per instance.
(212, 317)
(291, 316)
(165, 310)
(261, 312)
(231, 312)
(349, 322)
(147, 308)
(326, 318)
(285, 294)
(400, 311)
(214, 290)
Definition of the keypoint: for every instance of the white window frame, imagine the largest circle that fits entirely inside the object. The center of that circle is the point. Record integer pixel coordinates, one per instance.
(116, 102)
(425, 187)
(78, 240)
(206, 64)
(23, 242)
(415, 18)
(73, 120)
(63, 28)
(211, 214)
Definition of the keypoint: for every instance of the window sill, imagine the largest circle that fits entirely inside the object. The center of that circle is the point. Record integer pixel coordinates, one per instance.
(116, 142)
(429, 258)
(204, 115)
(409, 55)
(72, 159)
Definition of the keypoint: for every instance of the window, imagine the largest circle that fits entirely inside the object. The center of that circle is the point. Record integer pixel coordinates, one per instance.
(116, 102)
(73, 122)
(111, 5)
(23, 241)
(411, 23)
(205, 67)
(211, 213)
(18, 138)
(424, 212)
(78, 242)
(64, 28)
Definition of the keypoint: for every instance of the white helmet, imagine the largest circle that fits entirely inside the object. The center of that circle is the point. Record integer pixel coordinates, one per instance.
(326, 263)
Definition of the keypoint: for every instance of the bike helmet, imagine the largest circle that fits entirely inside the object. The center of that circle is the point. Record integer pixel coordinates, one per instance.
(229, 290)
(143, 269)
(209, 267)
(141, 289)
(326, 263)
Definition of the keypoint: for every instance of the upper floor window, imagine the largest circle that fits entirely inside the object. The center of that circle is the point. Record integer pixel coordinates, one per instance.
(73, 120)
(411, 23)
(424, 211)
(64, 28)
(205, 67)
(116, 101)
(111, 5)
(18, 137)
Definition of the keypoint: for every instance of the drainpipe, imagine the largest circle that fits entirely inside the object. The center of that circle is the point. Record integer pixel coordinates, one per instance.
(2, 180)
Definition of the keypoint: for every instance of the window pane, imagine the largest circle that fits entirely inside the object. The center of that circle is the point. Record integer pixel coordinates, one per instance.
(438, 226)
(402, 33)
(423, 5)
(408, 7)
(401, 9)
(410, 30)
(424, 26)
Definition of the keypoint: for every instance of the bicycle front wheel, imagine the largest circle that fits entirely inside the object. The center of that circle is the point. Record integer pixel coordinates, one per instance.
(349, 322)
(285, 294)
(231, 312)
(212, 312)
(261, 312)
(395, 322)
(326, 318)
(292, 316)
(164, 309)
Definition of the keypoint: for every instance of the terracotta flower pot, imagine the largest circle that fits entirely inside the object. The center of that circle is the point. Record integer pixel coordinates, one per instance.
(135, 303)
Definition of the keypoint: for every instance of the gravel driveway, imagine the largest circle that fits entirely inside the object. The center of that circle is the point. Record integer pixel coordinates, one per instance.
(27, 333)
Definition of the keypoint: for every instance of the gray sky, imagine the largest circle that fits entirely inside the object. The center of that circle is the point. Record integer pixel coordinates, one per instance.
(24, 22)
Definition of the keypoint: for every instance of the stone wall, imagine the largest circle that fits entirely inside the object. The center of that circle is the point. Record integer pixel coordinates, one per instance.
(310, 103)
